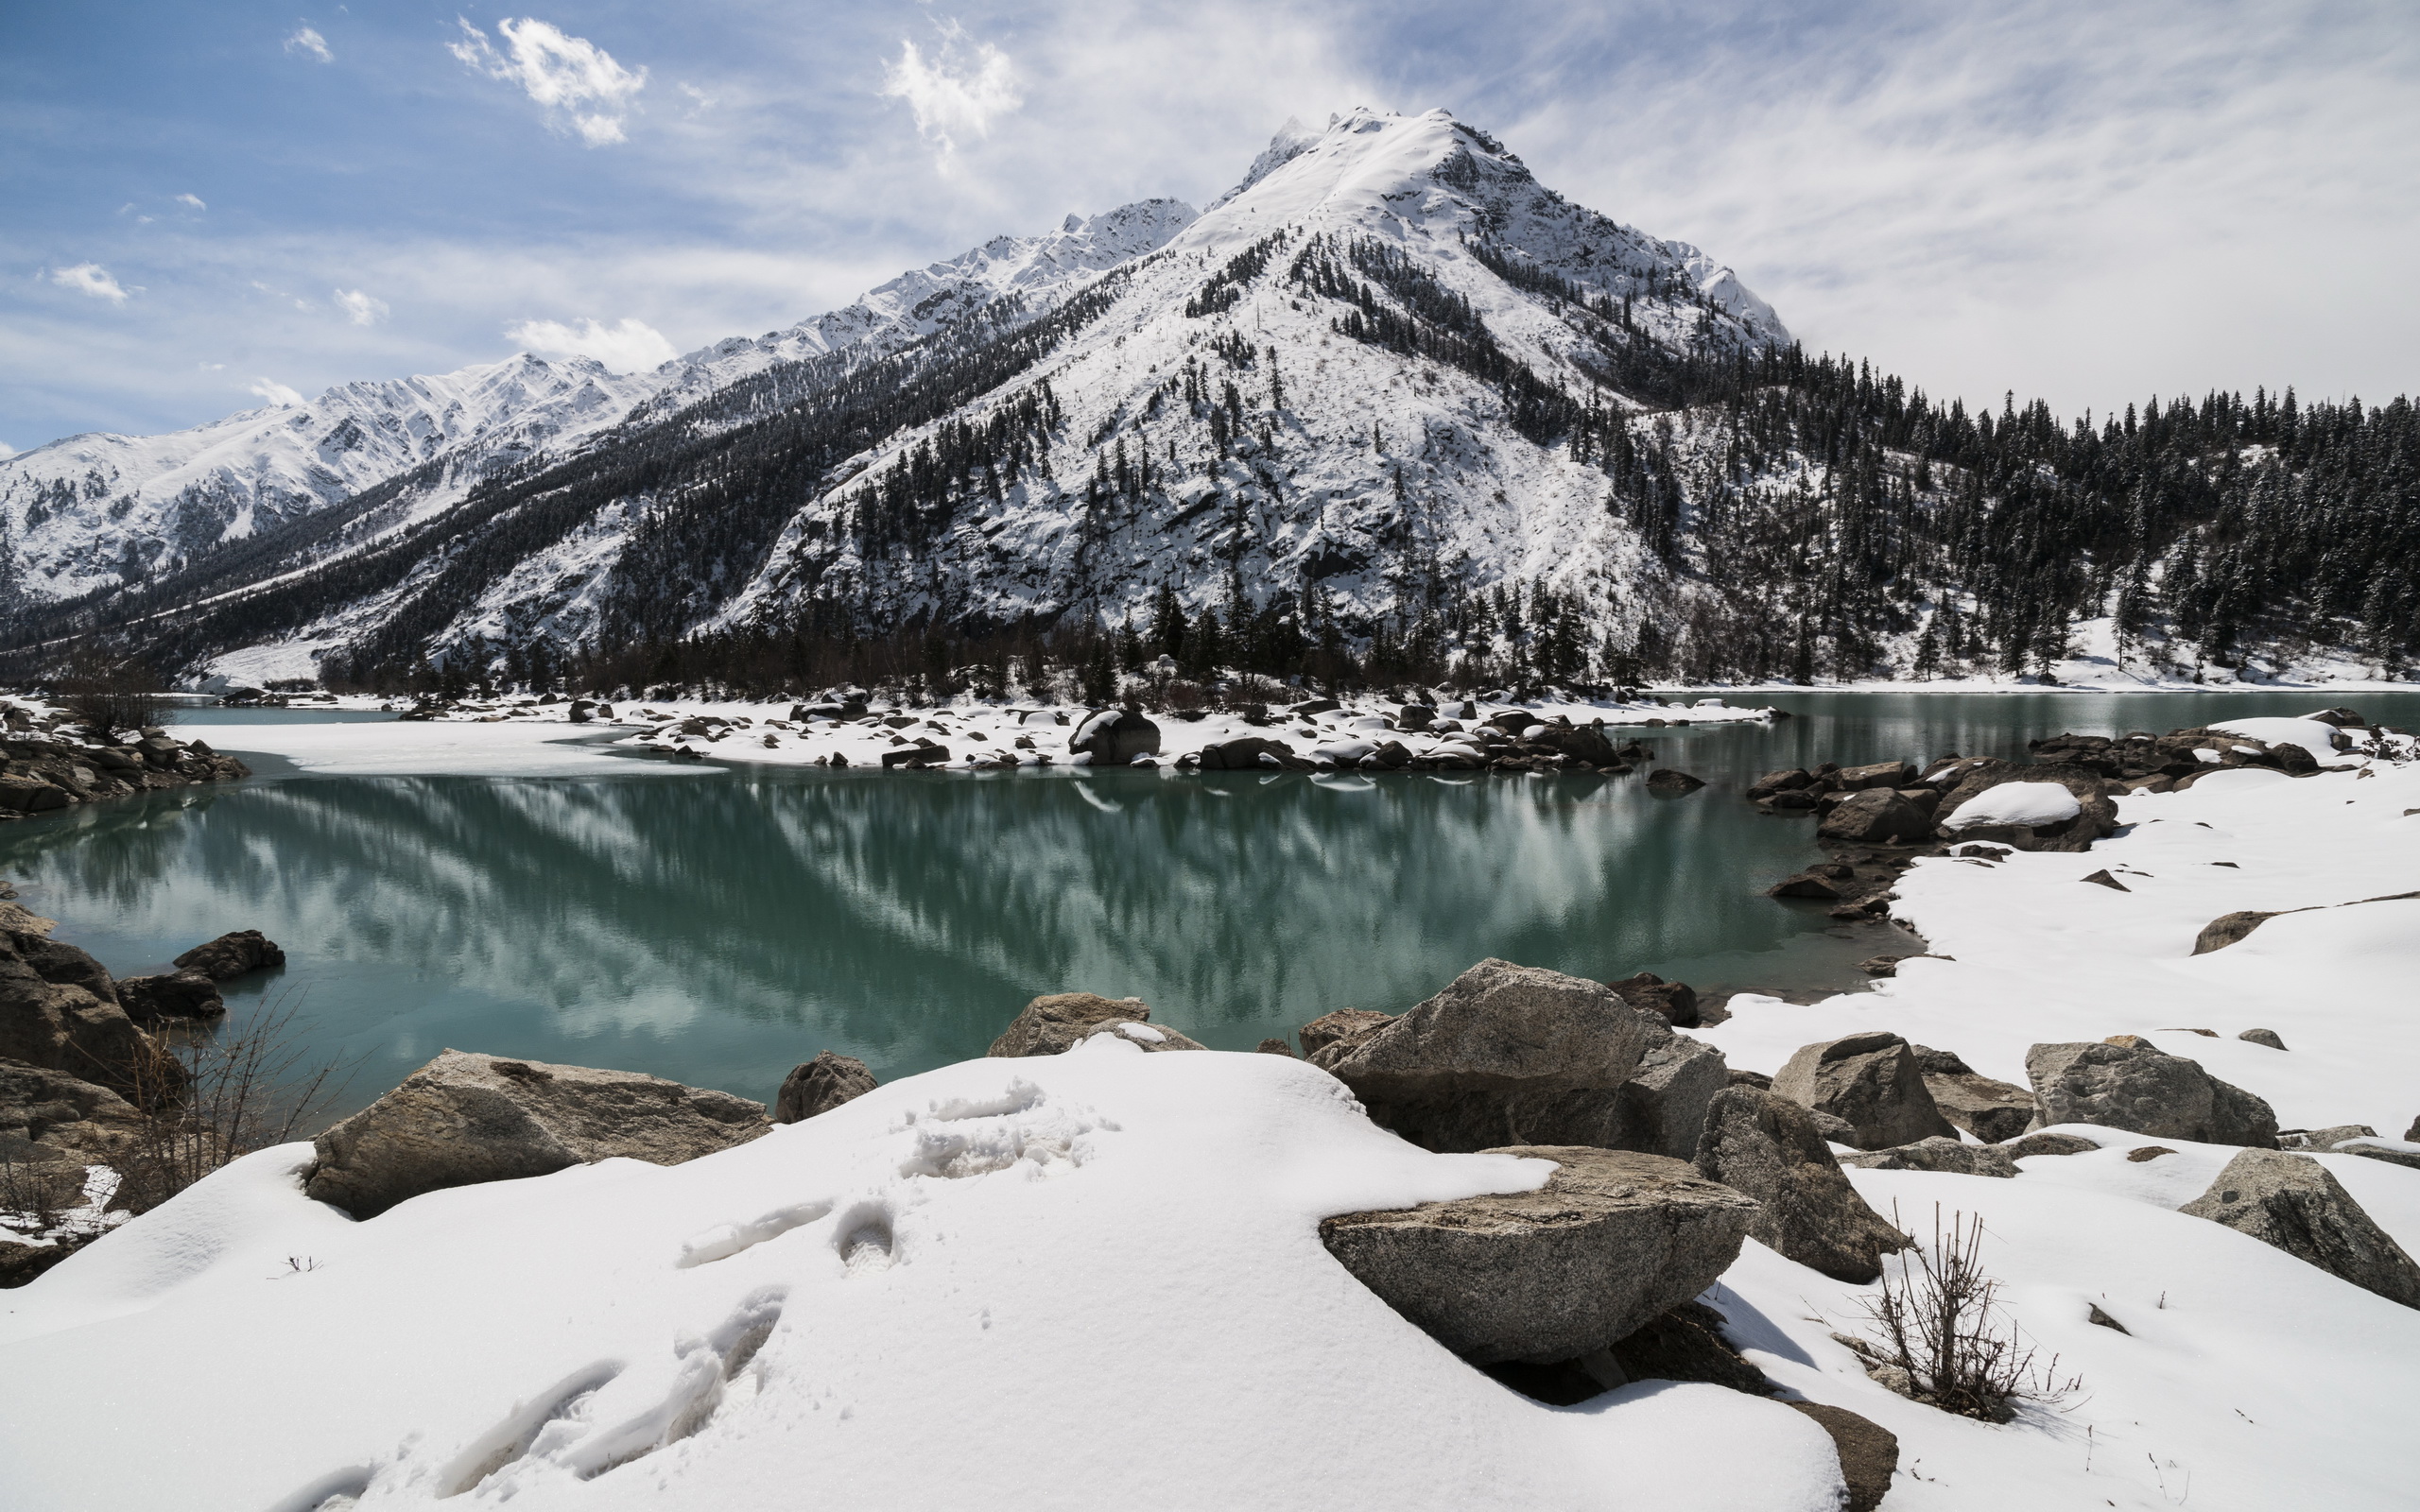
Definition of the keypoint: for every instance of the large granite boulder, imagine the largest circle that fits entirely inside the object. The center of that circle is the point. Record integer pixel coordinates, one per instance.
(1988, 1109)
(1504, 1052)
(59, 1010)
(2143, 1089)
(231, 955)
(1614, 1239)
(172, 995)
(467, 1118)
(1769, 1148)
(2093, 817)
(1334, 1034)
(2292, 1202)
(819, 1086)
(1939, 1153)
(1876, 815)
(1869, 1081)
(1114, 737)
(1660, 1109)
(1053, 1024)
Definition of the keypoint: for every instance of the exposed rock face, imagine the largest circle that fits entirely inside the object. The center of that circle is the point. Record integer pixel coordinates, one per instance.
(1939, 1153)
(1612, 1240)
(1661, 1109)
(1504, 1052)
(1869, 1081)
(1877, 816)
(2144, 1089)
(52, 1126)
(1990, 1110)
(231, 954)
(59, 1010)
(1052, 1024)
(1869, 1452)
(177, 995)
(1340, 1031)
(468, 1118)
(2292, 1202)
(1770, 1149)
(819, 1086)
(1675, 1003)
(1114, 739)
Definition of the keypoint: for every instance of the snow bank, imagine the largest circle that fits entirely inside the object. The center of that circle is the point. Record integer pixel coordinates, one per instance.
(2016, 803)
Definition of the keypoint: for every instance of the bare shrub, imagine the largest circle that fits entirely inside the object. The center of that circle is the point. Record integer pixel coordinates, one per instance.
(1938, 1319)
(217, 1097)
(109, 694)
(1180, 697)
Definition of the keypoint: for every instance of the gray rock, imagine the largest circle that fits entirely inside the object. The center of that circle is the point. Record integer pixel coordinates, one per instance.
(52, 1126)
(59, 1010)
(1688, 1344)
(1876, 815)
(2227, 929)
(1052, 1024)
(1118, 741)
(2324, 1138)
(468, 1118)
(1505, 1053)
(1614, 1239)
(1274, 1046)
(819, 1086)
(1675, 1003)
(1870, 1082)
(2048, 1144)
(1340, 1031)
(2143, 1089)
(2405, 1153)
(1661, 1107)
(1990, 1110)
(2263, 1036)
(177, 995)
(231, 955)
(1868, 1452)
(1880, 774)
(1834, 1129)
(1669, 782)
(2292, 1203)
(1245, 754)
(1938, 1154)
(1769, 1148)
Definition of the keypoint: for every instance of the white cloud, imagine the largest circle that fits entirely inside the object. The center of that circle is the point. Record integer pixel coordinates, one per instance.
(6, 450)
(310, 44)
(89, 278)
(275, 392)
(950, 97)
(630, 347)
(194, 201)
(579, 82)
(361, 309)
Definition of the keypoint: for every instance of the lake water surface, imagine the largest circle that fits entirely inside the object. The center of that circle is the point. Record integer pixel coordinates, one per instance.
(720, 929)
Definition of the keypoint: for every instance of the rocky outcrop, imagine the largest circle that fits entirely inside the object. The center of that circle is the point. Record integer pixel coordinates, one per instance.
(46, 769)
(1339, 1032)
(2143, 1089)
(1960, 782)
(1769, 1148)
(176, 995)
(52, 1126)
(467, 1118)
(1870, 1082)
(1504, 1052)
(1876, 815)
(1660, 1109)
(1675, 1003)
(1612, 1240)
(819, 1086)
(1868, 1452)
(1939, 1153)
(231, 955)
(2292, 1203)
(1053, 1024)
(59, 1010)
(1988, 1109)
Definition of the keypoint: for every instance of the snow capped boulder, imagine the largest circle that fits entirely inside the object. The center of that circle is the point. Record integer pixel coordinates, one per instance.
(1502, 1052)
(2029, 804)
(2292, 1203)
(1612, 1240)
(819, 1086)
(2144, 1089)
(1114, 737)
(1057, 1022)
(1148, 1037)
(467, 1118)
(231, 955)
(2034, 819)
(1870, 1082)
(1876, 815)
(1770, 1149)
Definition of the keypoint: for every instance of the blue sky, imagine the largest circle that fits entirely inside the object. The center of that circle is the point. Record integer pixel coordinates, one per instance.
(205, 205)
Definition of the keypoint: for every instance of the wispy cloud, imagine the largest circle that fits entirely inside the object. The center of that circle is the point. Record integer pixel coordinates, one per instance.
(89, 278)
(579, 84)
(274, 392)
(192, 201)
(958, 92)
(6, 450)
(632, 346)
(307, 43)
(361, 309)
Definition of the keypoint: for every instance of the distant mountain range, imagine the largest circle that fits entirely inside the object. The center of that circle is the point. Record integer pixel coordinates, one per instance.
(1388, 386)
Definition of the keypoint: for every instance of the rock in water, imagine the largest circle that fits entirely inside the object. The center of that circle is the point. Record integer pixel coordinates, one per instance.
(231, 954)
(1614, 1239)
(819, 1086)
(1769, 1148)
(177, 995)
(1877, 816)
(1869, 1452)
(1667, 782)
(1054, 1023)
(2144, 1089)
(1870, 1082)
(2292, 1203)
(468, 1118)
(1503, 1052)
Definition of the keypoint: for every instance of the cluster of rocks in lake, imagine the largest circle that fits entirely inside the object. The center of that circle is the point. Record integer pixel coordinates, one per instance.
(47, 763)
